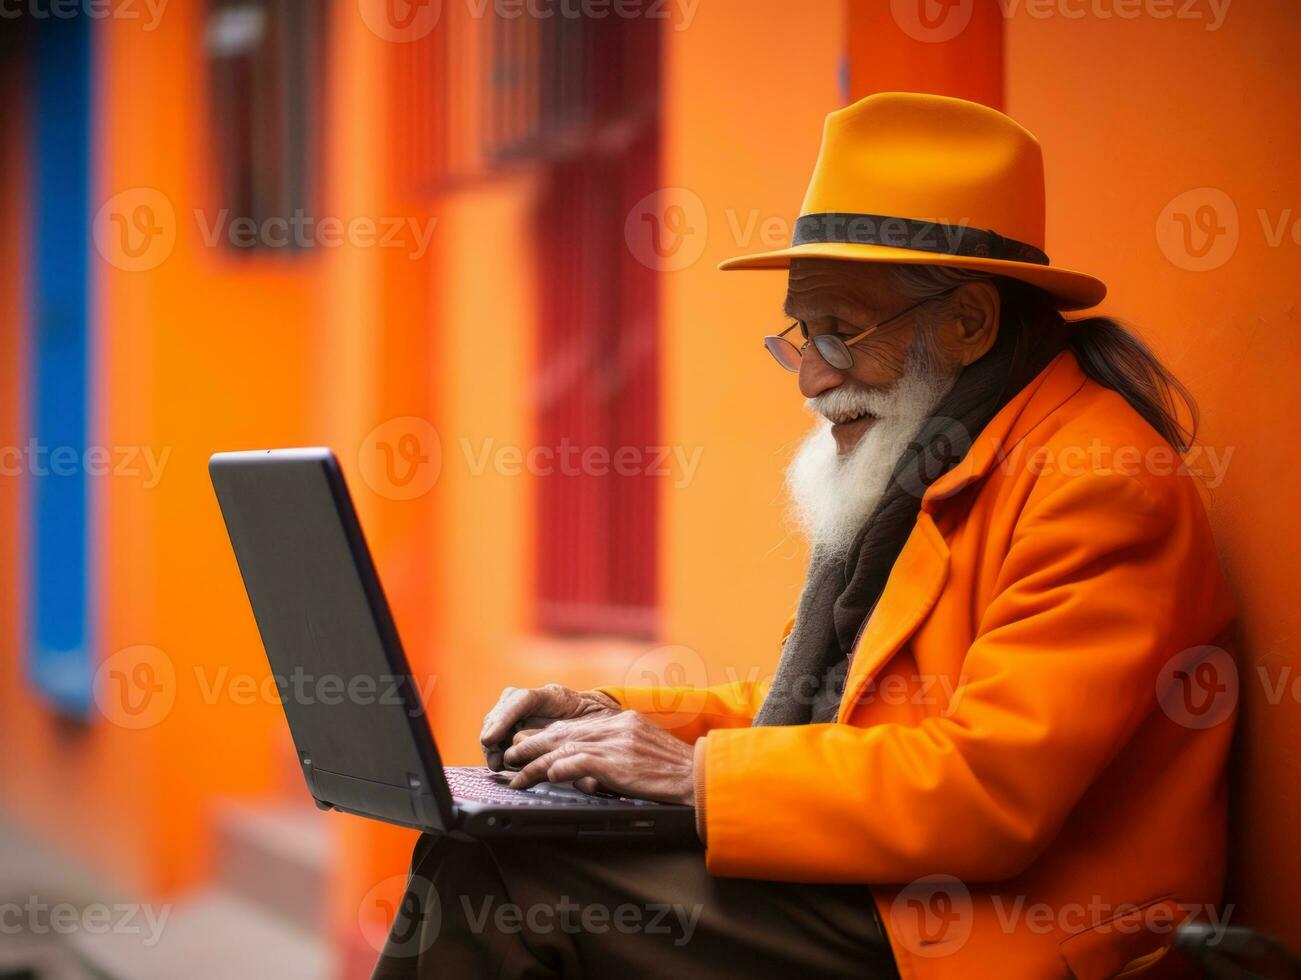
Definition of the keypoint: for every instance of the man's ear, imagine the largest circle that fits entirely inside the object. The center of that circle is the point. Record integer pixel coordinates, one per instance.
(973, 314)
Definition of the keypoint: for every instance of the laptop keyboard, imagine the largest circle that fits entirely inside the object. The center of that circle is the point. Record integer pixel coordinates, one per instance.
(482, 785)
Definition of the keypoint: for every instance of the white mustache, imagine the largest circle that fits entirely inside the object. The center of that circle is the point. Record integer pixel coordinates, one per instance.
(832, 495)
(849, 401)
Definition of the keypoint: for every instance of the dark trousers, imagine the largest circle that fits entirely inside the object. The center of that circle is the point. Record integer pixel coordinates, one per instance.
(515, 909)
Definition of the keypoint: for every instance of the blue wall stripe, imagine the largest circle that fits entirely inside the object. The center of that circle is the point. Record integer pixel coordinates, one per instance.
(60, 658)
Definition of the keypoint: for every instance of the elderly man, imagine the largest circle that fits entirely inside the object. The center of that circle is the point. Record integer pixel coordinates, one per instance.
(995, 741)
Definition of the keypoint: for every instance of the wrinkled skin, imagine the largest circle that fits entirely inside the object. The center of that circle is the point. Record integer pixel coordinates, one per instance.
(845, 298)
(524, 709)
(622, 753)
(556, 735)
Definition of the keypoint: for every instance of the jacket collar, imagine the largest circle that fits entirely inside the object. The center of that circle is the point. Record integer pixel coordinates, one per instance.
(1045, 393)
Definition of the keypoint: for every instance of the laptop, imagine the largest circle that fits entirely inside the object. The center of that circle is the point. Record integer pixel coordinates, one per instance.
(354, 711)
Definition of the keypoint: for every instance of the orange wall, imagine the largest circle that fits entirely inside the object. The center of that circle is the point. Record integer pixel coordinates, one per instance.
(209, 351)
(742, 132)
(953, 49)
(201, 352)
(1134, 113)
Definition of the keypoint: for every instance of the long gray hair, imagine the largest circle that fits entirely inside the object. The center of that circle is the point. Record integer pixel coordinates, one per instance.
(1108, 352)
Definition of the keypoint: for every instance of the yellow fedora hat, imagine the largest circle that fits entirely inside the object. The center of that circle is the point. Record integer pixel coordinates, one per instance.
(929, 180)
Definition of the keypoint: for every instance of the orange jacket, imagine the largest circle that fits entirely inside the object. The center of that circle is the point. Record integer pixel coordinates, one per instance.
(1028, 764)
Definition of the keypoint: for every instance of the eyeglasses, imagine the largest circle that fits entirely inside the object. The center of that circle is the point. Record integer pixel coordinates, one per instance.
(832, 349)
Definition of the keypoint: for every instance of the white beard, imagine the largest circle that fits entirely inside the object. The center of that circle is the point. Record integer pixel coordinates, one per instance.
(832, 496)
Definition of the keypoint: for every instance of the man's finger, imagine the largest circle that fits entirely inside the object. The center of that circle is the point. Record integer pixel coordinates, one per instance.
(524, 733)
(576, 766)
(518, 704)
(514, 703)
(542, 742)
(522, 751)
(536, 771)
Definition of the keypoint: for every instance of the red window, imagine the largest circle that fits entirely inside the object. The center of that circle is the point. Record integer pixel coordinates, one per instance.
(598, 370)
(577, 99)
(597, 402)
(265, 67)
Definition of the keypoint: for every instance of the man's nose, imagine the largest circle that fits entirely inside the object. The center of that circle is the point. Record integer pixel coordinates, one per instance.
(816, 375)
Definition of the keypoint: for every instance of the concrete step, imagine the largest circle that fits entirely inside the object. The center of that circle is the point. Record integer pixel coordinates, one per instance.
(277, 856)
(212, 935)
(34, 879)
(262, 915)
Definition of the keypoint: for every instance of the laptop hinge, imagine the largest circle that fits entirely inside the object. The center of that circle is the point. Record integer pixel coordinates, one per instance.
(305, 760)
(422, 802)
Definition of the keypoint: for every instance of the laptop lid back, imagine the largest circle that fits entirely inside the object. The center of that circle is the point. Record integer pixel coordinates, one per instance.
(354, 711)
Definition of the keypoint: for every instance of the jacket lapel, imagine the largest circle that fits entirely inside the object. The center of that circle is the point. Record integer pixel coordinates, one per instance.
(922, 569)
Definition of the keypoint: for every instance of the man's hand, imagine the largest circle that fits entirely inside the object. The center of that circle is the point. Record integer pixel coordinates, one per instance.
(623, 753)
(526, 710)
